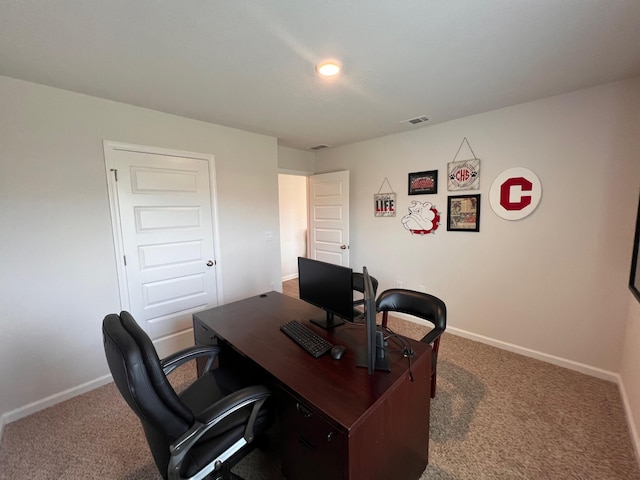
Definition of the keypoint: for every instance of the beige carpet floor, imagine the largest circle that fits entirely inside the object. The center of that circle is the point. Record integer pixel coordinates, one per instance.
(496, 415)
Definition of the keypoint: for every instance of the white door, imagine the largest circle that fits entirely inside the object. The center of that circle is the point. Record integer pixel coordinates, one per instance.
(329, 217)
(165, 223)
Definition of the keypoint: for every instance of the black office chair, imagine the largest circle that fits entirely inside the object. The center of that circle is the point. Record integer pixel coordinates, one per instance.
(204, 430)
(358, 286)
(421, 305)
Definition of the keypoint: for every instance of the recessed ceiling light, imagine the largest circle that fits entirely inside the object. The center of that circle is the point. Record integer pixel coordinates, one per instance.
(328, 68)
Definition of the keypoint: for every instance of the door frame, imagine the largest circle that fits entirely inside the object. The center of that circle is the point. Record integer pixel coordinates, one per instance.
(118, 242)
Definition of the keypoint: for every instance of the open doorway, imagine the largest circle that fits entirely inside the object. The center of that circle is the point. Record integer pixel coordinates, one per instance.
(293, 223)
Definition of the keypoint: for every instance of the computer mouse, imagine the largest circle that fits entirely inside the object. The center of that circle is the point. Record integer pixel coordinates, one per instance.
(337, 351)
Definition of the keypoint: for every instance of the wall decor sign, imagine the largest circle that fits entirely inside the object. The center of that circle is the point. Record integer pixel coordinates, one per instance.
(515, 193)
(463, 213)
(463, 175)
(384, 204)
(423, 218)
(421, 183)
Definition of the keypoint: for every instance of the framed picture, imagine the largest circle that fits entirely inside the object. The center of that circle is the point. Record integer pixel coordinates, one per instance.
(463, 213)
(421, 183)
(634, 279)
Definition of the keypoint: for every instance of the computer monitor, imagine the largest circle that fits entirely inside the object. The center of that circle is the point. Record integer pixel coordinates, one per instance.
(329, 287)
(373, 354)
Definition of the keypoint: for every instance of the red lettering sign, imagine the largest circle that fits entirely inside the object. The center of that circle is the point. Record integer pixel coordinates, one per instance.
(505, 193)
(422, 182)
(463, 174)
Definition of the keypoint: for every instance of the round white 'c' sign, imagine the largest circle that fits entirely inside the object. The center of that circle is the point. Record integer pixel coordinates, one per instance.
(515, 193)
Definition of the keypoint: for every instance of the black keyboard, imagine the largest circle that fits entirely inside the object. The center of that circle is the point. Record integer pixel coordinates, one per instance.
(306, 338)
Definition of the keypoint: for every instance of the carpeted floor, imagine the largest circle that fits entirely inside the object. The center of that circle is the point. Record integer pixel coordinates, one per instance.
(496, 415)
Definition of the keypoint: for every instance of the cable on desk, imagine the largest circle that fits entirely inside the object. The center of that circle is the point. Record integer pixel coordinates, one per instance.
(407, 351)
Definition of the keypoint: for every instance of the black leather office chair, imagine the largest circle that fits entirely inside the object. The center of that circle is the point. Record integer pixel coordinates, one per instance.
(358, 286)
(202, 431)
(421, 305)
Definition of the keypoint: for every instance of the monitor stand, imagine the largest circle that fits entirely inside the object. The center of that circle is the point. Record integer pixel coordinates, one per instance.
(327, 322)
(382, 359)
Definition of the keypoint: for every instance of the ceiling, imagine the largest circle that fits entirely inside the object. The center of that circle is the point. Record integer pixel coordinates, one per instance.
(249, 64)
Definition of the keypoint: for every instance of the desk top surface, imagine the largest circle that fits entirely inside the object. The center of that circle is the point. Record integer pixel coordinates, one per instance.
(338, 388)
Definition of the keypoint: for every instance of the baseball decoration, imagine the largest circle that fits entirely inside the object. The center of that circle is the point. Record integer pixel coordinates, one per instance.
(422, 218)
(515, 193)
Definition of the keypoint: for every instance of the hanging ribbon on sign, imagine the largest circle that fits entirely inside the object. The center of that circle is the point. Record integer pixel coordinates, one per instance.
(384, 204)
(463, 175)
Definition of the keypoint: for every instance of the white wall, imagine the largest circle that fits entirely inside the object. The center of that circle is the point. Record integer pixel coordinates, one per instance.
(58, 272)
(553, 284)
(294, 161)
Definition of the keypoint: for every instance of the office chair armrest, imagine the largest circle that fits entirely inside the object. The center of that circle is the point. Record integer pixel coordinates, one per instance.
(256, 394)
(170, 363)
(432, 335)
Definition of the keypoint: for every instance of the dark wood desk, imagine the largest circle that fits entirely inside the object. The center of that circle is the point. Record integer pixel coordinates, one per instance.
(337, 421)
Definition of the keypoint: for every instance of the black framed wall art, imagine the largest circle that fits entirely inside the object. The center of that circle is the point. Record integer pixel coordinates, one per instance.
(422, 183)
(463, 213)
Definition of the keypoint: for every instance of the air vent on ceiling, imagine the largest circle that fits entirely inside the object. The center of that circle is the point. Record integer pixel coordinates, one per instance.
(415, 121)
(319, 147)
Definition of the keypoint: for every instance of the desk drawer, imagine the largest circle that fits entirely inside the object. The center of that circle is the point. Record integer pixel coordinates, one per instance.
(312, 448)
(202, 334)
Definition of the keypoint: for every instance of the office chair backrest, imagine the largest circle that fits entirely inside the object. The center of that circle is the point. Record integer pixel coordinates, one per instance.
(419, 304)
(358, 285)
(138, 374)
(358, 282)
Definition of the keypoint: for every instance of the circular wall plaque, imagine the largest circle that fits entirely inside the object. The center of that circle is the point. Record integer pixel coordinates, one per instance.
(515, 193)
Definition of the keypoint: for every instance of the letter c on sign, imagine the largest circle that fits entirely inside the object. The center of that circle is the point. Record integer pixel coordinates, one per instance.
(505, 193)
(515, 193)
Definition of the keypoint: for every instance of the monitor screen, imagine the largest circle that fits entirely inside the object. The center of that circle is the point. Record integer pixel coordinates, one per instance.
(329, 287)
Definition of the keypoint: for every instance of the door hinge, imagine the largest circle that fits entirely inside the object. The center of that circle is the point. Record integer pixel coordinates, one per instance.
(115, 173)
(125, 260)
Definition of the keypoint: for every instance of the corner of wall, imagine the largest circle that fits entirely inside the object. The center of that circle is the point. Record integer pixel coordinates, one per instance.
(635, 439)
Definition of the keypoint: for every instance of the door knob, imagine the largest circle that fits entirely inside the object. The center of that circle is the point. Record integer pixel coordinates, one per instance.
(210, 263)
(343, 247)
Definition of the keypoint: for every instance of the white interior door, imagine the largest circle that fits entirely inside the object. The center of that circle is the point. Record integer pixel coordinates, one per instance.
(165, 221)
(329, 217)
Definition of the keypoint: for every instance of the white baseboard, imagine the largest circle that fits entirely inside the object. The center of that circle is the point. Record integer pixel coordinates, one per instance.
(630, 420)
(54, 399)
(545, 357)
(164, 346)
(561, 362)
(527, 352)
(286, 278)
